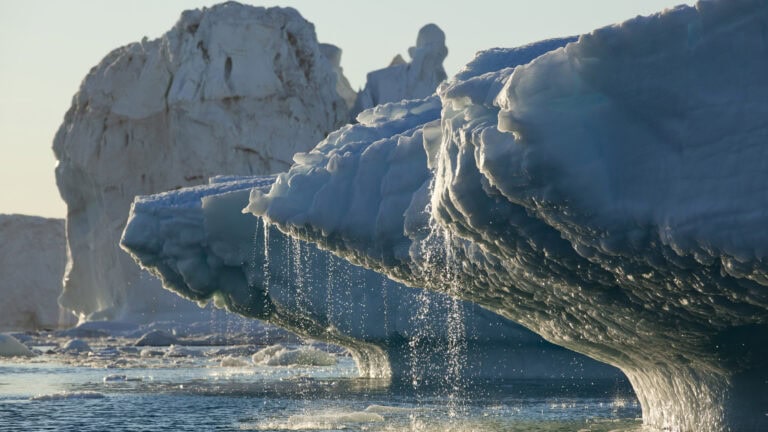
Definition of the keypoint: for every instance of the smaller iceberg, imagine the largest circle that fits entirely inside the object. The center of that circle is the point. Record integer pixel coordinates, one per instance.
(278, 355)
(407, 80)
(11, 347)
(32, 259)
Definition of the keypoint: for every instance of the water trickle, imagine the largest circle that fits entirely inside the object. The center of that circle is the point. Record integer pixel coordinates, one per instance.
(346, 280)
(419, 358)
(457, 335)
(440, 264)
(265, 265)
(385, 286)
(330, 290)
(300, 275)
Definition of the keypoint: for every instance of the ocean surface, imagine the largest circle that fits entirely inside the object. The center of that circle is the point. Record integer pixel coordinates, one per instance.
(119, 387)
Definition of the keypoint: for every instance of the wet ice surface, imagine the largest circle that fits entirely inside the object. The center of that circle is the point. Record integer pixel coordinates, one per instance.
(117, 386)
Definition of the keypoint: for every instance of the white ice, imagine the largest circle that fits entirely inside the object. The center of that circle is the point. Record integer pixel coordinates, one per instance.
(32, 259)
(11, 347)
(407, 80)
(230, 89)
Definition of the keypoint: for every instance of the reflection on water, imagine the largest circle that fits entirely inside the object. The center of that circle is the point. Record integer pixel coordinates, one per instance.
(213, 388)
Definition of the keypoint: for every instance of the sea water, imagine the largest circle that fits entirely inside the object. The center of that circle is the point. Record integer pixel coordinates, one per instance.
(119, 387)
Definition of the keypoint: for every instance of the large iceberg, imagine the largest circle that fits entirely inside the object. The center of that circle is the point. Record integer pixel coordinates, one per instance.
(32, 259)
(198, 241)
(230, 89)
(609, 195)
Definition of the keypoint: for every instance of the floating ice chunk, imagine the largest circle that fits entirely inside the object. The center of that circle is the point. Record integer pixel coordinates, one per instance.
(10, 347)
(278, 355)
(68, 395)
(231, 361)
(149, 352)
(179, 351)
(319, 421)
(156, 338)
(115, 378)
(333, 420)
(76, 346)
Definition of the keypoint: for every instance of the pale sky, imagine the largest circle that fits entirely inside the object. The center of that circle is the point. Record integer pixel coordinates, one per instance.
(47, 47)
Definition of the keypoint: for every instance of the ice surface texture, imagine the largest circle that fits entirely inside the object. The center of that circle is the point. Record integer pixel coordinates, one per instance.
(232, 89)
(198, 241)
(32, 258)
(610, 195)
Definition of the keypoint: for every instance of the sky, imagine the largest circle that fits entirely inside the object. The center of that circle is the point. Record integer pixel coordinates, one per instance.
(47, 48)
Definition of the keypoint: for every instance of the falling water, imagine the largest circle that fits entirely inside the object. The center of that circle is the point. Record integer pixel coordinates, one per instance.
(457, 335)
(441, 264)
(419, 358)
(330, 290)
(265, 264)
(385, 286)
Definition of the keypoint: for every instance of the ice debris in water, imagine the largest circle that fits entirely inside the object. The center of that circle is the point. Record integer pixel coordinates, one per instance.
(76, 346)
(232, 361)
(115, 378)
(156, 338)
(68, 395)
(11, 347)
(319, 421)
(278, 355)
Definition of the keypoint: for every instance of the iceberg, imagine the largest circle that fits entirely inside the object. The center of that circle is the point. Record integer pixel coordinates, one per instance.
(609, 195)
(200, 244)
(407, 80)
(32, 261)
(230, 89)
(11, 347)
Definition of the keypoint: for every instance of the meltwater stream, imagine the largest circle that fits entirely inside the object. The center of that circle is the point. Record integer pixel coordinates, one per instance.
(117, 386)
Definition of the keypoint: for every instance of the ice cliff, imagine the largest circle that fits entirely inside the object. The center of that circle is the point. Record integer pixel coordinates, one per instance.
(232, 89)
(609, 195)
(32, 259)
(198, 241)
(407, 80)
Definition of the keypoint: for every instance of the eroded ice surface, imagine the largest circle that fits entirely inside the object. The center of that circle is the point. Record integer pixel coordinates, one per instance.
(610, 195)
(199, 242)
(230, 89)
